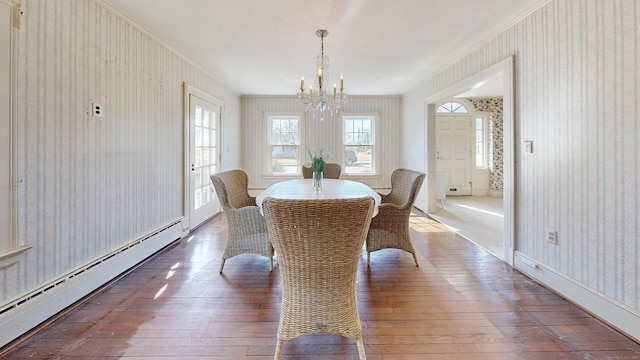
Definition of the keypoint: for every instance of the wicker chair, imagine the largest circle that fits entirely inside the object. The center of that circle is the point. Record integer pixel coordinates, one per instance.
(330, 171)
(390, 228)
(307, 172)
(318, 244)
(247, 227)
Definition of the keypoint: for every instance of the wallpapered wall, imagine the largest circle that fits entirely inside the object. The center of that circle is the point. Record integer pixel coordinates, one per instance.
(326, 134)
(577, 98)
(90, 185)
(496, 155)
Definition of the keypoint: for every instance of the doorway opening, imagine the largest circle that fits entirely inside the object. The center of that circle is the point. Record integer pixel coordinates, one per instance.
(502, 74)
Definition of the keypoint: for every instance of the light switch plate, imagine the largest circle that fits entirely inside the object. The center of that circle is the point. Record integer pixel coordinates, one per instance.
(528, 147)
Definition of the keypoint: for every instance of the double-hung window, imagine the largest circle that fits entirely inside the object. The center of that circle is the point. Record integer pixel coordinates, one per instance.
(359, 144)
(284, 143)
(481, 140)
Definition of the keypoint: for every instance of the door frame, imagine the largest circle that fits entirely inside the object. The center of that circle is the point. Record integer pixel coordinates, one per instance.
(506, 67)
(189, 90)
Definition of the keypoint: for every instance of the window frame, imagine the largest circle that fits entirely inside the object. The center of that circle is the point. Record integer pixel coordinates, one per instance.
(10, 251)
(448, 108)
(485, 139)
(269, 116)
(374, 116)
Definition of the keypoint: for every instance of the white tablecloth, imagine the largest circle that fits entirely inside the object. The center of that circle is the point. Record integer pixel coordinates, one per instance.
(331, 189)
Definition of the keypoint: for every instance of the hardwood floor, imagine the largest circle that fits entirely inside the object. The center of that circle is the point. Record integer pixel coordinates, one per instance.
(462, 303)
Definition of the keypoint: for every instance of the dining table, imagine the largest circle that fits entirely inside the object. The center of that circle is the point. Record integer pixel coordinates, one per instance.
(302, 189)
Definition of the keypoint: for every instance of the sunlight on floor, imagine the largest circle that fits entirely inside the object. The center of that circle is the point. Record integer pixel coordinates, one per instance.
(478, 219)
(424, 224)
(481, 210)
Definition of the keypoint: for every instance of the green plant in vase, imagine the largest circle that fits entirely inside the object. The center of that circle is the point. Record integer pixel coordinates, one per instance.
(318, 159)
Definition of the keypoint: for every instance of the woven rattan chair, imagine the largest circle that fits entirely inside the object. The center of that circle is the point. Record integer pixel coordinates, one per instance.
(318, 243)
(330, 171)
(307, 172)
(390, 228)
(247, 227)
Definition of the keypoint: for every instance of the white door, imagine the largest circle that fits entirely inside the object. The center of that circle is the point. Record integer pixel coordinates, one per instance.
(204, 158)
(453, 152)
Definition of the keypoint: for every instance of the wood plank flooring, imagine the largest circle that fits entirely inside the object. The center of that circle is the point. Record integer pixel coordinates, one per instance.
(462, 303)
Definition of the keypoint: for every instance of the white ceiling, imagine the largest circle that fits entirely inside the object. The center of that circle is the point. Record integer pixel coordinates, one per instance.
(383, 47)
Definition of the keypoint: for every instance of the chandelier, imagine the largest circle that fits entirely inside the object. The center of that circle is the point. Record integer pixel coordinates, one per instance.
(320, 99)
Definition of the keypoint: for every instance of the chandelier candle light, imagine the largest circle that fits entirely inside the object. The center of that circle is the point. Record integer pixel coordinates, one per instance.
(321, 100)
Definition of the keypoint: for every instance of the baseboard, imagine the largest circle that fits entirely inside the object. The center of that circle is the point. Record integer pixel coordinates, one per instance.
(479, 192)
(33, 308)
(495, 193)
(619, 316)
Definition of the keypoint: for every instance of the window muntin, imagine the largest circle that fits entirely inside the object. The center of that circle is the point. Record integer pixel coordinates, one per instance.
(452, 107)
(284, 143)
(358, 140)
(204, 154)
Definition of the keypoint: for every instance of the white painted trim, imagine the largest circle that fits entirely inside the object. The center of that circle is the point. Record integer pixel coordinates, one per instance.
(31, 309)
(11, 40)
(187, 91)
(430, 156)
(621, 317)
(375, 161)
(496, 193)
(506, 67)
(267, 172)
(11, 257)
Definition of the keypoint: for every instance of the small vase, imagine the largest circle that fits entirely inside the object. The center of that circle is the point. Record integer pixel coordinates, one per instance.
(317, 180)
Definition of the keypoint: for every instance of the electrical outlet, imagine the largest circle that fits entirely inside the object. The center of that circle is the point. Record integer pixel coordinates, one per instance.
(552, 237)
(96, 110)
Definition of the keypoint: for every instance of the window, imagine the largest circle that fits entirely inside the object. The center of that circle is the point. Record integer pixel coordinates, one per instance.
(358, 143)
(481, 141)
(452, 107)
(284, 143)
(9, 249)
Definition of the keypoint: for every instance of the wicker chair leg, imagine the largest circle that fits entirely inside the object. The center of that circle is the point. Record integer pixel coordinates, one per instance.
(276, 356)
(368, 258)
(363, 356)
(415, 258)
(222, 265)
(271, 263)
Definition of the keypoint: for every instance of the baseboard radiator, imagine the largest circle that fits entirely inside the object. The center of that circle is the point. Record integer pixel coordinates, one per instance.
(617, 315)
(29, 310)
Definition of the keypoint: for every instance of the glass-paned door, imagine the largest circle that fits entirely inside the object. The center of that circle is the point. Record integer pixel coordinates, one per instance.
(204, 125)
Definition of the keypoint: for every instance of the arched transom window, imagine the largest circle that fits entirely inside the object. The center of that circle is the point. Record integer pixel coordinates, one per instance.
(452, 107)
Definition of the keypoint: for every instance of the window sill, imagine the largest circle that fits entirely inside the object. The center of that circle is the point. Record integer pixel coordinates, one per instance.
(360, 175)
(9, 258)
